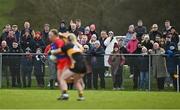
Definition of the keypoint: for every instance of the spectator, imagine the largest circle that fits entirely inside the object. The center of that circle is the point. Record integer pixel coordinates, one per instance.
(175, 36)
(159, 65)
(146, 42)
(15, 65)
(92, 41)
(62, 27)
(103, 37)
(87, 32)
(109, 43)
(129, 34)
(39, 71)
(84, 40)
(132, 44)
(27, 27)
(73, 29)
(27, 42)
(78, 25)
(154, 32)
(167, 28)
(171, 62)
(45, 34)
(17, 33)
(39, 42)
(93, 29)
(98, 65)
(162, 43)
(88, 77)
(144, 69)
(11, 38)
(140, 30)
(5, 61)
(121, 45)
(5, 32)
(116, 61)
(79, 37)
(26, 68)
(132, 48)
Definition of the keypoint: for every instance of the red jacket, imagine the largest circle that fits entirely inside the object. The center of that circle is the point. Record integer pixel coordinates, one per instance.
(132, 46)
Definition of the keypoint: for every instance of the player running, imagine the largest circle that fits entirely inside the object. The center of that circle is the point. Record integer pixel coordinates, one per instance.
(62, 60)
(77, 68)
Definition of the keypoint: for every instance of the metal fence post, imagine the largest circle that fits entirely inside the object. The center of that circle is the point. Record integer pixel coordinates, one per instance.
(177, 78)
(149, 72)
(0, 70)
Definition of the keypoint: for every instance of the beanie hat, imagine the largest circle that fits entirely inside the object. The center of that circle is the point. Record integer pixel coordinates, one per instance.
(116, 45)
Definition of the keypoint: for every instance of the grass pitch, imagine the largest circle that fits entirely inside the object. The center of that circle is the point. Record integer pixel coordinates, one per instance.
(46, 99)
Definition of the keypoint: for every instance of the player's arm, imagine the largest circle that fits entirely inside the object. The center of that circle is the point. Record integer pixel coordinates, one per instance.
(80, 46)
(56, 51)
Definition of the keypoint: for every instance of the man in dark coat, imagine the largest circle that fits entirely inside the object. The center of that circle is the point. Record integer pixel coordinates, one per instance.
(27, 41)
(98, 65)
(15, 65)
(5, 60)
(62, 27)
(45, 34)
(26, 68)
(140, 30)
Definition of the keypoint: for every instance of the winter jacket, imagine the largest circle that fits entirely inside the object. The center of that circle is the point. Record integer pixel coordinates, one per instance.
(143, 63)
(109, 43)
(147, 44)
(159, 68)
(132, 46)
(27, 41)
(140, 30)
(154, 34)
(39, 43)
(97, 59)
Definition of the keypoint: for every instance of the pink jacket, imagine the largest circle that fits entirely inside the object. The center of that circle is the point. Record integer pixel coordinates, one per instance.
(132, 46)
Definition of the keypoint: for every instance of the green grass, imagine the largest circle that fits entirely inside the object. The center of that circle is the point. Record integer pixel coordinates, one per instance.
(6, 6)
(36, 99)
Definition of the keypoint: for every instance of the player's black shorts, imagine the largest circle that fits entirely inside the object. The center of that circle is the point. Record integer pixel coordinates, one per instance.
(79, 65)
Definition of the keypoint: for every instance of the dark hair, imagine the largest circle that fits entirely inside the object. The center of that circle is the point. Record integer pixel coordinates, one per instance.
(167, 21)
(78, 20)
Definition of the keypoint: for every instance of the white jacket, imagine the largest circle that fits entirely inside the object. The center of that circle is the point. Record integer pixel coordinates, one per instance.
(109, 48)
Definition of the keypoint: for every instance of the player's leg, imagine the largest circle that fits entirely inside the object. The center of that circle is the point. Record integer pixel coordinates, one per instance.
(78, 81)
(62, 76)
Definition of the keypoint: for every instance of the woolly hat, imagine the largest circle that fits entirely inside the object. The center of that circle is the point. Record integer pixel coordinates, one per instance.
(116, 45)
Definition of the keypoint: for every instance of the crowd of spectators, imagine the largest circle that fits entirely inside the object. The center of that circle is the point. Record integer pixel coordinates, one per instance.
(106, 54)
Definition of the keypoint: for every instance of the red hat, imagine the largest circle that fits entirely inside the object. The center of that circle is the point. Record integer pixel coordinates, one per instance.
(38, 33)
(116, 45)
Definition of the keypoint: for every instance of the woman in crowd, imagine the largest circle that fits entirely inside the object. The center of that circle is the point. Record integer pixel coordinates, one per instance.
(116, 61)
(132, 48)
(109, 43)
(159, 68)
(154, 32)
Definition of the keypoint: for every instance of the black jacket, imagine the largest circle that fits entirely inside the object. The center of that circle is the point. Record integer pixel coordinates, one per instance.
(144, 63)
(97, 57)
(153, 35)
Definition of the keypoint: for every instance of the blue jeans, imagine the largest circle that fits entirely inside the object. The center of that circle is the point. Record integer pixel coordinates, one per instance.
(144, 80)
